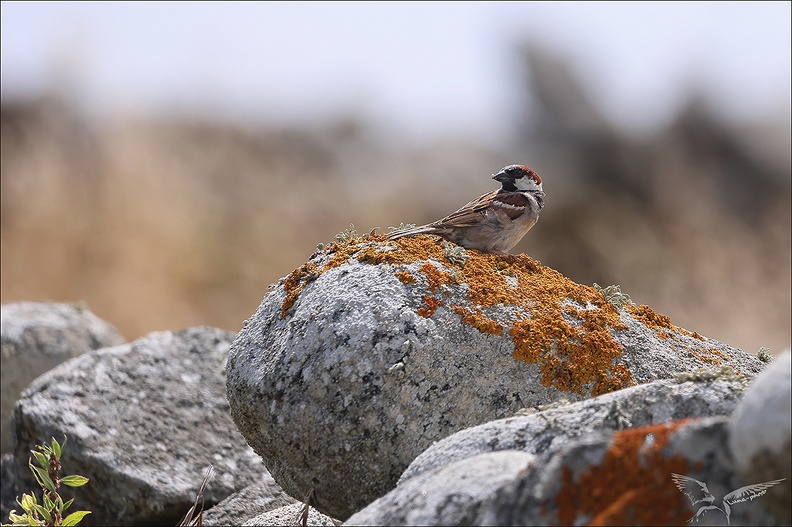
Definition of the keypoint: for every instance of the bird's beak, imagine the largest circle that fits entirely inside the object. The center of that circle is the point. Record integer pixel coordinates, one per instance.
(501, 177)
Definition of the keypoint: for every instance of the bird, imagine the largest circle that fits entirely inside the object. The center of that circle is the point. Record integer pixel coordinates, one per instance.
(697, 492)
(494, 222)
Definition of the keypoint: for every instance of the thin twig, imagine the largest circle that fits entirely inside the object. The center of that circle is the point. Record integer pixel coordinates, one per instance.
(191, 519)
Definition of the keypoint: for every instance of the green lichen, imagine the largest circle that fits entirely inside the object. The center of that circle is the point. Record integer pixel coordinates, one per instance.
(347, 235)
(724, 373)
(764, 355)
(616, 419)
(402, 227)
(9, 350)
(454, 253)
(613, 295)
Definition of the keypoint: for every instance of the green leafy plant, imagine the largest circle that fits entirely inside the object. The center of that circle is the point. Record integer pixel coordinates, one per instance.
(52, 507)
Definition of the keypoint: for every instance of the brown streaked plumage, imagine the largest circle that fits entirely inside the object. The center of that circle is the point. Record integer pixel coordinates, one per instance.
(494, 222)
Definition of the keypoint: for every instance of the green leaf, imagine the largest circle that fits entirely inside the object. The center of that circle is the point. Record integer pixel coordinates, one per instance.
(17, 519)
(41, 459)
(67, 504)
(44, 512)
(28, 501)
(43, 478)
(56, 447)
(74, 518)
(74, 480)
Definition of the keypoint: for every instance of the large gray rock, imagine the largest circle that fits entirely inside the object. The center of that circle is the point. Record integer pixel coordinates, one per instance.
(638, 476)
(36, 337)
(370, 352)
(760, 434)
(258, 498)
(449, 495)
(143, 421)
(550, 429)
(291, 515)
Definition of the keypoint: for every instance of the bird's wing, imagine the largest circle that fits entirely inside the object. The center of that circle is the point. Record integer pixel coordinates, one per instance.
(695, 490)
(513, 204)
(469, 214)
(749, 492)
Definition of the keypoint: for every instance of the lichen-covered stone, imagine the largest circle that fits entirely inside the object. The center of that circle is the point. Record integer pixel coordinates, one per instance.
(549, 430)
(760, 434)
(628, 478)
(36, 337)
(371, 351)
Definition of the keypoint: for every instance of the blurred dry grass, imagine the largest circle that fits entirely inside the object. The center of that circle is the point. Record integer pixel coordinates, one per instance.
(169, 224)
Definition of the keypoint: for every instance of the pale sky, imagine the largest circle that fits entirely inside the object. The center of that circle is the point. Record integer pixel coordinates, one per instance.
(424, 68)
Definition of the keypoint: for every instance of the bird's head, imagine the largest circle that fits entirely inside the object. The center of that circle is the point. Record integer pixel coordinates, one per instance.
(515, 178)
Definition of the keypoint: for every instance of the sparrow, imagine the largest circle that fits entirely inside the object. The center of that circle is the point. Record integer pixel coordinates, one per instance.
(494, 222)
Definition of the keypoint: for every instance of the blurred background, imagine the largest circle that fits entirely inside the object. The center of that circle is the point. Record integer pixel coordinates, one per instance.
(165, 162)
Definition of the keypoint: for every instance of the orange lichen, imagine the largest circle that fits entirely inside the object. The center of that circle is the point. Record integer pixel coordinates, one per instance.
(478, 320)
(704, 358)
(295, 283)
(566, 327)
(649, 318)
(431, 306)
(632, 484)
(405, 277)
(585, 353)
(434, 276)
(664, 335)
(710, 356)
(660, 323)
(719, 353)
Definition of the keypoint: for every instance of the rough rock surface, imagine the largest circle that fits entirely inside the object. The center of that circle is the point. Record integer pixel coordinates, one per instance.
(36, 337)
(760, 434)
(247, 503)
(143, 420)
(626, 479)
(11, 485)
(550, 429)
(447, 496)
(367, 354)
(291, 515)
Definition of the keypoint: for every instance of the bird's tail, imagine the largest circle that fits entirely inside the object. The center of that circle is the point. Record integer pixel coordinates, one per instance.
(423, 229)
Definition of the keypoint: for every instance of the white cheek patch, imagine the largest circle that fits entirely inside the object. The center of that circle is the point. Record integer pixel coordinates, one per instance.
(527, 183)
(508, 205)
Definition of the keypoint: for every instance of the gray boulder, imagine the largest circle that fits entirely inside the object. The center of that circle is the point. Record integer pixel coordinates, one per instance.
(447, 496)
(760, 434)
(363, 357)
(255, 499)
(143, 421)
(550, 429)
(291, 515)
(36, 337)
(638, 476)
